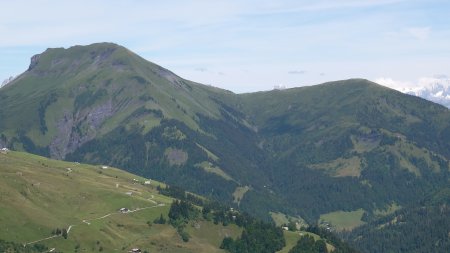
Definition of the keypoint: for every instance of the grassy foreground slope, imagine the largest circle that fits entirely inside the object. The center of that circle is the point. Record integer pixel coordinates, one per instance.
(39, 195)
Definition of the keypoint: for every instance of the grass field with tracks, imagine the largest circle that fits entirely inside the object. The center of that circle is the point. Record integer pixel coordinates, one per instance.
(38, 195)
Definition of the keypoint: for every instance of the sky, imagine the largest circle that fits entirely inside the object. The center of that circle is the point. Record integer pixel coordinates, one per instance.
(246, 45)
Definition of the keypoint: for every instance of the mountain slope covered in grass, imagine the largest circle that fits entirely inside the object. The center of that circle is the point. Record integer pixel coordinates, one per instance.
(40, 196)
(349, 147)
(369, 145)
(104, 104)
(49, 205)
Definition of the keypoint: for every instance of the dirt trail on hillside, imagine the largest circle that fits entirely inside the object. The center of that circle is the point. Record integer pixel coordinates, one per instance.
(88, 222)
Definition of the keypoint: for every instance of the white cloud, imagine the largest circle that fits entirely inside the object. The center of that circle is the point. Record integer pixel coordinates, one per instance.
(423, 83)
(46, 21)
(297, 72)
(394, 84)
(279, 7)
(436, 88)
(407, 33)
(420, 33)
(201, 69)
(431, 82)
(441, 76)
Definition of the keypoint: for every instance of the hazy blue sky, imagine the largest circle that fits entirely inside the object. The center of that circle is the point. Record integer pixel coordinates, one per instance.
(244, 45)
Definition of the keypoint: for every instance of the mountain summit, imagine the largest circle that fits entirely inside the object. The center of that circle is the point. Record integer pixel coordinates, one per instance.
(349, 145)
(88, 87)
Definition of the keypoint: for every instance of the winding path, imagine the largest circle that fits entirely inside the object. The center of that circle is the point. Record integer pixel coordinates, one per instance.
(40, 240)
(88, 222)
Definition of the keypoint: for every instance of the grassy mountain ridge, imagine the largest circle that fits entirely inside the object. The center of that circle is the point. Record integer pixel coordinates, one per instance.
(341, 146)
(327, 129)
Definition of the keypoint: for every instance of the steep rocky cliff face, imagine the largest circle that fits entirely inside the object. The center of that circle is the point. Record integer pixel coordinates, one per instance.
(34, 62)
(75, 129)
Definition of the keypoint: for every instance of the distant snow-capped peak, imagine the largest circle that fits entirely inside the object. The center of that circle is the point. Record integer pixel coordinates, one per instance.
(436, 89)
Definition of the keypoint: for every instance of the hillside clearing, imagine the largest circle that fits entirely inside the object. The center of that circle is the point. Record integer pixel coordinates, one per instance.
(341, 167)
(292, 238)
(211, 168)
(341, 220)
(281, 218)
(239, 193)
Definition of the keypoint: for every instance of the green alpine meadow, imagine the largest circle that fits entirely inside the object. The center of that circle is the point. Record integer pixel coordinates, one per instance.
(106, 151)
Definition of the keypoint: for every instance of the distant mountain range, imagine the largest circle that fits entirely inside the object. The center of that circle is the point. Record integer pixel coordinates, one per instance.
(435, 89)
(350, 147)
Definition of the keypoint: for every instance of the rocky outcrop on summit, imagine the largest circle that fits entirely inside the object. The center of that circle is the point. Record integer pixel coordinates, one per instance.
(34, 61)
